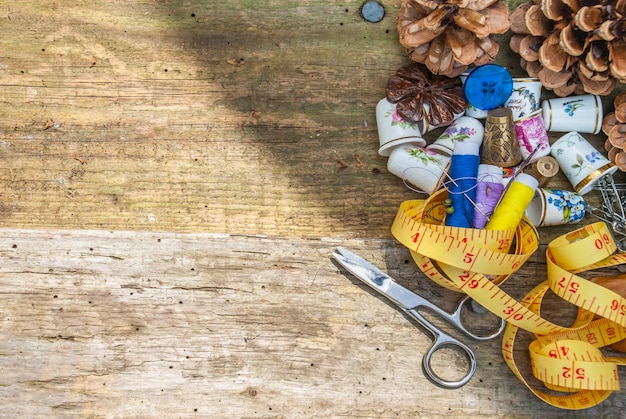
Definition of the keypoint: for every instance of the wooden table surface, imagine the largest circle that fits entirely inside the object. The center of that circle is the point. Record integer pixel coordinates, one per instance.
(174, 178)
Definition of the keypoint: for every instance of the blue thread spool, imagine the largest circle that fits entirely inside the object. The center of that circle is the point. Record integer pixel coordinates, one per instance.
(462, 185)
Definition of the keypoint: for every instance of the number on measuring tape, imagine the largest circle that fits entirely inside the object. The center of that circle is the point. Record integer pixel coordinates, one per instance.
(462, 240)
(464, 276)
(592, 338)
(610, 332)
(473, 283)
(554, 353)
(620, 308)
(510, 310)
(573, 286)
(504, 245)
(468, 280)
(579, 373)
(469, 257)
(599, 243)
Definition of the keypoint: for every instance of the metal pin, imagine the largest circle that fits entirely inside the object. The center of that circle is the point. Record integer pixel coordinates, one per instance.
(612, 209)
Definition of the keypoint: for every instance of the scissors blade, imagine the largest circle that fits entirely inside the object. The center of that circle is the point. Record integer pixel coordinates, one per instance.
(377, 279)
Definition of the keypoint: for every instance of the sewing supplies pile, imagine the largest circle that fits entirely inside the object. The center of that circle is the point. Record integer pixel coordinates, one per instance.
(484, 180)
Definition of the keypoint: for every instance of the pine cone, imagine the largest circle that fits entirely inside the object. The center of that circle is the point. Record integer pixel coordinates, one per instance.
(572, 46)
(614, 126)
(448, 35)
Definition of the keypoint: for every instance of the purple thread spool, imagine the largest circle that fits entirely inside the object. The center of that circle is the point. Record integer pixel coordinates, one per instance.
(489, 189)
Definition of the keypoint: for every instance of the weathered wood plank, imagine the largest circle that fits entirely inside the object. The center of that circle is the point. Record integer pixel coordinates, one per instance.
(198, 116)
(128, 324)
(247, 121)
(213, 116)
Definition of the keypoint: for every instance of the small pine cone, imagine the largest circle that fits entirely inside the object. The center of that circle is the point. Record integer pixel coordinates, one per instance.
(614, 126)
(448, 35)
(572, 46)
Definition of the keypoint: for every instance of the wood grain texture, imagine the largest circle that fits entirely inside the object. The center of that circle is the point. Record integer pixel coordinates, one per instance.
(130, 324)
(243, 117)
(213, 116)
(173, 178)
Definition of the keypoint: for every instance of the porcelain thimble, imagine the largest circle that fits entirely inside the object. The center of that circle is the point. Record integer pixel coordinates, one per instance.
(464, 129)
(573, 113)
(524, 99)
(552, 207)
(583, 165)
(425, 125)
(531, 136)
(422, 168)
(393, 130)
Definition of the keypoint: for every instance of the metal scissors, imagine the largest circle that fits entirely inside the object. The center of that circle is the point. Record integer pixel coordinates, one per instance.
(410, 303)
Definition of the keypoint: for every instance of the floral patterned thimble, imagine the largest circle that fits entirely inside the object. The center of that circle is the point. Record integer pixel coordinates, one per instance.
(524, 99)
(573, 113)
(425, 125)
(422, 168)
(532, 137)
(464, 129)
(552, 207)
(393, 130)
(583, 165)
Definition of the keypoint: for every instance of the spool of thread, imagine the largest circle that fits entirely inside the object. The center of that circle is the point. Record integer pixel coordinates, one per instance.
(462, 184)
(543, 169)
(500, 146)
(489, 189)
(512, 206)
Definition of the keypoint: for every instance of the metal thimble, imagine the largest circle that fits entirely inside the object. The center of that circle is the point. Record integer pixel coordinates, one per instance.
(500, 146)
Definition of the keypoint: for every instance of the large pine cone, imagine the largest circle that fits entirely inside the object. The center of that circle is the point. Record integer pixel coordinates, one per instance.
(572, 46)
(448, 35)
(614, 126)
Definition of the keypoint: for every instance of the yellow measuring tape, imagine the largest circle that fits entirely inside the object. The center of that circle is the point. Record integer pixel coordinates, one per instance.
(566, 359)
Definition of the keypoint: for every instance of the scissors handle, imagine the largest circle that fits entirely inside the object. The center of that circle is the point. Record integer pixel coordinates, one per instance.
(441, 340)
(455, 318)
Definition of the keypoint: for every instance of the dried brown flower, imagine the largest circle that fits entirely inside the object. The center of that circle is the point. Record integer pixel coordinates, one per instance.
(416, 91)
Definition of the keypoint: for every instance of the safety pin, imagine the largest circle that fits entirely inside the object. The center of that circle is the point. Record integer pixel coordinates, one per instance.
(612, 210)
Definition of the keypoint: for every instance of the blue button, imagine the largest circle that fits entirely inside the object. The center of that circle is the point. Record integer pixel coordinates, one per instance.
(488, 86)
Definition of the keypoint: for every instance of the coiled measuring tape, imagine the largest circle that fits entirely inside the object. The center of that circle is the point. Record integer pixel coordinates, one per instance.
(566, 359)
